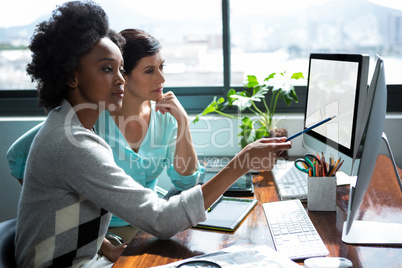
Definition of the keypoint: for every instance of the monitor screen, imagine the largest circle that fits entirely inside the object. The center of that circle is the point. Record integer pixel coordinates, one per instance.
(337, 83)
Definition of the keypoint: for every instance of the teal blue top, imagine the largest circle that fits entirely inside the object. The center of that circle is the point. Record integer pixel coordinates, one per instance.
(154, 155)
(18, 152)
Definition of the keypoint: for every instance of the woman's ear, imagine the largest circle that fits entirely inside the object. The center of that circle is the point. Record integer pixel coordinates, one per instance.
(73, 82)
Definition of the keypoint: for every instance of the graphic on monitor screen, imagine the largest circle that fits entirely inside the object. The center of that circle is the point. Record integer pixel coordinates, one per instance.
(337, 83)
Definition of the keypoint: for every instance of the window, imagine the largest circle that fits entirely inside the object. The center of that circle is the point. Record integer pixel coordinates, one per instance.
(211, 45)
(278, 36)
(192, 41)
(190, 33)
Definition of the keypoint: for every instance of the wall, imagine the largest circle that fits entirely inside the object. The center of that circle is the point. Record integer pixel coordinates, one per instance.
(212, 136)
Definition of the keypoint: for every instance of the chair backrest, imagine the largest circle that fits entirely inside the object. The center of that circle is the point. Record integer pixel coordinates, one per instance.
(7, 234)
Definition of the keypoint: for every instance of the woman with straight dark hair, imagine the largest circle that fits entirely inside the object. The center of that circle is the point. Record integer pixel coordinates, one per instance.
(151, 132)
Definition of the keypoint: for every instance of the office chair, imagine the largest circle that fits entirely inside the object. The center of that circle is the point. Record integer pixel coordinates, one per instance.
(7, 234)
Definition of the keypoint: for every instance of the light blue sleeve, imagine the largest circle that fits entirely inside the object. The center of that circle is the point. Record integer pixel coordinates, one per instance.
(18, 152)
(179, 181)
(185, 182)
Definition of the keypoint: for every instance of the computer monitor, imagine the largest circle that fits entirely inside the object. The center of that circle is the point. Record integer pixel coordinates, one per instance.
(369, 140)
(336, 85)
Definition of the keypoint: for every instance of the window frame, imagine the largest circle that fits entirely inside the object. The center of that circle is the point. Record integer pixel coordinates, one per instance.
(193, 99)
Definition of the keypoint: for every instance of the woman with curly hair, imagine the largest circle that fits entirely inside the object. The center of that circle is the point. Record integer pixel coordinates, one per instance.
(72, 184)
(76, 59)
(134, 133)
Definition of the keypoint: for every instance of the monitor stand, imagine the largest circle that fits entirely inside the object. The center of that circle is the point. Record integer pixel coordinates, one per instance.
(376, 233)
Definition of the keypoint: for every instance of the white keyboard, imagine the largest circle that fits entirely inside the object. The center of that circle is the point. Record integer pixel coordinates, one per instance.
(292, 231)
(290, 182)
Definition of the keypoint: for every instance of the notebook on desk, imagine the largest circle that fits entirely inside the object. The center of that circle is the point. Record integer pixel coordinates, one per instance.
(228, 213)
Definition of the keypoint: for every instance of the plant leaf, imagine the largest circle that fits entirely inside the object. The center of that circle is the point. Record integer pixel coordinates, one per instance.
(297, 75)
(270, 77)
(241, 101)
(261, 132)
(216, 104)
(244, 99)
(289, 96)
(231, 92)
(251, 81)
(281, 85)
(259, 92)
(248, 133)
(293, 95)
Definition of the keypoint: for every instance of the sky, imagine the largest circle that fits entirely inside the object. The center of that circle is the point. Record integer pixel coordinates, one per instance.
(13, 15)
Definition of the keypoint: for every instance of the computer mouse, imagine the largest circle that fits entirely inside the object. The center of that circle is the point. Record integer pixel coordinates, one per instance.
(327, 262)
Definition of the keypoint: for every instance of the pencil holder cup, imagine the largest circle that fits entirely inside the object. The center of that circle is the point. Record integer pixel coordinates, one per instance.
(321, 194)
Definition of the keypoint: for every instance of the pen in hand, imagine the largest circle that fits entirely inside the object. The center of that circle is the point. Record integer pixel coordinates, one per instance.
(310, 128)
(214, 204)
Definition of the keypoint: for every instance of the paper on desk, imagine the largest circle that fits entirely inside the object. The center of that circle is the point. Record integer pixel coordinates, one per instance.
(244, 257)
(343, 179)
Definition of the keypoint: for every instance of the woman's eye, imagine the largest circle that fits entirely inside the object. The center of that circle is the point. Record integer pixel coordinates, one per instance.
(162, 66)
(122, 71)
(149, 71)
(107, 69)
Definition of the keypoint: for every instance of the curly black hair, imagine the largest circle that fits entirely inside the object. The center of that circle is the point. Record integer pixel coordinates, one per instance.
(59, 43)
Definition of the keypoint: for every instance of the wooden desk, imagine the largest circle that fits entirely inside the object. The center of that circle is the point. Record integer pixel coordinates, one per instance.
(383, 202)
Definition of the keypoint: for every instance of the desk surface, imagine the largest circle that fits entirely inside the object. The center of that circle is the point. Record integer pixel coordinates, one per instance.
(383, 202)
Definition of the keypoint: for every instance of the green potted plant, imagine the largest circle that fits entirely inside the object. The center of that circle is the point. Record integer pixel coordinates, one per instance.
(254, 128)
